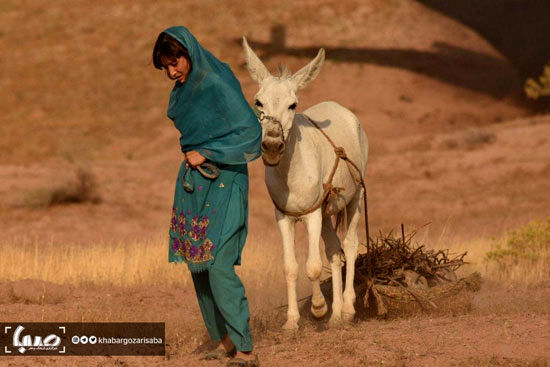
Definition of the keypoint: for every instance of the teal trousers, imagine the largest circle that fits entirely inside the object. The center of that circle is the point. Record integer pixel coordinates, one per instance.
(221, 293)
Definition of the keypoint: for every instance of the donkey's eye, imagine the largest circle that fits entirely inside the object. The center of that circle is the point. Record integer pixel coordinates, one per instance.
(292, 106)
(258, 104)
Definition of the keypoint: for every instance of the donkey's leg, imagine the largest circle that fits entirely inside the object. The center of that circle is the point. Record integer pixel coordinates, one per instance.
(286, 227)
(333, 250)
(314, 264)
(350, 246)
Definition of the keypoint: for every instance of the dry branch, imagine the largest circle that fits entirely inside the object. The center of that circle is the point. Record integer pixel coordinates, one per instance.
(402, 275)
(392, 257)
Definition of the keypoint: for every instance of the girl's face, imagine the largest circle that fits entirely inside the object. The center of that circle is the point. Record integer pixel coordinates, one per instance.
(177, 69)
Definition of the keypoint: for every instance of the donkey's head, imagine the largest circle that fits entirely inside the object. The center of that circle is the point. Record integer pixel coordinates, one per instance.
(276, 100)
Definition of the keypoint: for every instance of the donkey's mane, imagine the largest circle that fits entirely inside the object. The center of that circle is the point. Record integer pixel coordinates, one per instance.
(284, 71)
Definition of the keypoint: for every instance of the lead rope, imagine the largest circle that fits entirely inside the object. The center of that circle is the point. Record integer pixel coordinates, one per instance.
(341, 154)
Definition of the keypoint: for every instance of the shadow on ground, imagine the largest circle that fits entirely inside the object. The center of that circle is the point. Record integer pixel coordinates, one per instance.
(450, 64)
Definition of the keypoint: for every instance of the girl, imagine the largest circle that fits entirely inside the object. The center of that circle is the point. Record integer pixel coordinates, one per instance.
(209, 217)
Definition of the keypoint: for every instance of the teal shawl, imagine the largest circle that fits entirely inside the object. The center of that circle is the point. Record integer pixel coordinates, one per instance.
(214, 118)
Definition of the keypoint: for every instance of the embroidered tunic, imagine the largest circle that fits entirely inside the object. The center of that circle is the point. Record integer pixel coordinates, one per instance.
(213, 117)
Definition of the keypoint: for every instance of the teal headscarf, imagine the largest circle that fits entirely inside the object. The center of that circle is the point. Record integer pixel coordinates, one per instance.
(210, 110)
(213, 117)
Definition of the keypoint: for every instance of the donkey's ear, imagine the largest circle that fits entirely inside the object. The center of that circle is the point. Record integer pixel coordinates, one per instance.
(310, 71)
(256, 68)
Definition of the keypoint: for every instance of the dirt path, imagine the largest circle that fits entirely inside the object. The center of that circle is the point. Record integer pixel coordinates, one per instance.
(505, 327)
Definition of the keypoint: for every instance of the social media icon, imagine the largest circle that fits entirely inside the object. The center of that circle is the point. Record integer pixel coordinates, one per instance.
(92, 339)
(84, 339)
(75, 339)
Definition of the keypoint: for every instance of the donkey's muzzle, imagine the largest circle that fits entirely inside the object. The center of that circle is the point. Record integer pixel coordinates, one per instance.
(273, 147)
(272, 150)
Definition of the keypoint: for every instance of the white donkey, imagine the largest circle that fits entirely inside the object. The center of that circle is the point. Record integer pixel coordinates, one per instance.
(298, 160)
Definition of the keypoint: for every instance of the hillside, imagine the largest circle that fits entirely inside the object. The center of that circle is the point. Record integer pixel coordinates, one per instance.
(86, 95)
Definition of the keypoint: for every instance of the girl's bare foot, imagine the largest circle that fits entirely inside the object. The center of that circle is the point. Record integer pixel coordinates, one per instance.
(226, 349)
(227, 344)
(247, 356)
(244, 359)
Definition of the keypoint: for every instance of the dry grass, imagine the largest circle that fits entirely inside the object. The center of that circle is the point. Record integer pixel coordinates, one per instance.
(119, 264)
(522, 255)
(144, 263)
(516, 258)
(130, 264)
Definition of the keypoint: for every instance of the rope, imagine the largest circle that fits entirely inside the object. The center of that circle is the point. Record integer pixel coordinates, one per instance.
(328, 188)
(208, 170)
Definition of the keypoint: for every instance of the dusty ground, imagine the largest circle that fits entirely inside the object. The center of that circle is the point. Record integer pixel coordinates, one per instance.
(452, 143)
(504, 327)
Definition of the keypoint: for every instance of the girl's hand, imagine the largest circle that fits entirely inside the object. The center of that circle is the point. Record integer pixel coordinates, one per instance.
(194, 158)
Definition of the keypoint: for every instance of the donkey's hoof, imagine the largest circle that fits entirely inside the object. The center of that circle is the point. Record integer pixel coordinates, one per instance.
(320, 310)
(335, 321)
(290, 325)
(347, 316)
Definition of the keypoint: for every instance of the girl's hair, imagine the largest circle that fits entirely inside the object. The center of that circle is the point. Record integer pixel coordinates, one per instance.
(168, 47)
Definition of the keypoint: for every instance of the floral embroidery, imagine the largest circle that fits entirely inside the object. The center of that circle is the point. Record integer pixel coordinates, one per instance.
(174, 221)
(182, 225)
(194, 220)
(198, 228)
(178, 223)
(196, 254)
(176, 244)
(188, 234)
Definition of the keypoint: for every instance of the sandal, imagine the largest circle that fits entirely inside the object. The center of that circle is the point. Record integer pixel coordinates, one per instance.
(219, 354)
(239, 362)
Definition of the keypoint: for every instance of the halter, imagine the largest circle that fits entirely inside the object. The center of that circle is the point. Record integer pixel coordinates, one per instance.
(263, 117)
